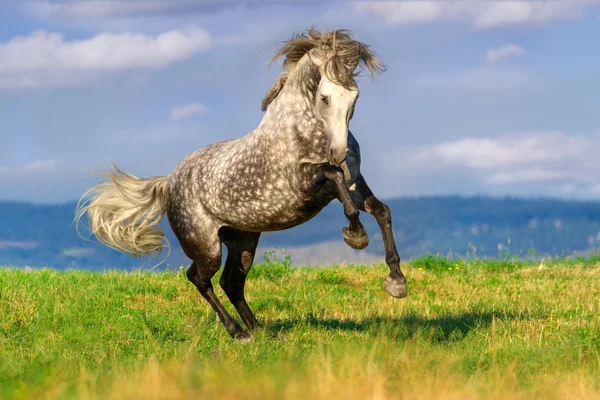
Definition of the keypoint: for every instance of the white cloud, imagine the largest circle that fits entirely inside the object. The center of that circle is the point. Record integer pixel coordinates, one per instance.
(417, 12)
(35, 167)
(480, 14)
(502, 13)
(526, 175)
(188, 111)
(24, 245)
(552, 158)
(504, 53)
(41, 165)
(109, 9)
(45, 58)
(102, 8)
(491, 153)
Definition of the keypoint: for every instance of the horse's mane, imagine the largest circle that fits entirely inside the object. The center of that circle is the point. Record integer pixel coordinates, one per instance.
(341, 52)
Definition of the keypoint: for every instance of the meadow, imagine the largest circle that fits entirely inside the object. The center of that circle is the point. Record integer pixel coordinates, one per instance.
(495, 329)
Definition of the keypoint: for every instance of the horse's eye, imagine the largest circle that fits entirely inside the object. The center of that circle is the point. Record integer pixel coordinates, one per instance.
(325, 99)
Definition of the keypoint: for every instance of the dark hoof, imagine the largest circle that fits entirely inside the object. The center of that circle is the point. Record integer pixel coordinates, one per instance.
(356, 239)
(242, 337)
(395, 287)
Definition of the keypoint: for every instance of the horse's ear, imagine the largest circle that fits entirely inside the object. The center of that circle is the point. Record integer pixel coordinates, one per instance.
(273, 92)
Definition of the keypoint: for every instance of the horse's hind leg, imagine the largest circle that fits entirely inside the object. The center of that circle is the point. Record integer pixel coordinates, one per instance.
(241, 247)
(207, 261)
(363, 197)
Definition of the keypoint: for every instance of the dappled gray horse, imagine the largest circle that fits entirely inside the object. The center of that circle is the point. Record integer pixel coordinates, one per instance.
(280, 175)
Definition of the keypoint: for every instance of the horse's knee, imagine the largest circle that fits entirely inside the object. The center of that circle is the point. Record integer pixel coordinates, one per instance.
(334, 174)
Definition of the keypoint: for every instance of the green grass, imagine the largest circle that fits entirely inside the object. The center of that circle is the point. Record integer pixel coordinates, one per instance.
(480, 329)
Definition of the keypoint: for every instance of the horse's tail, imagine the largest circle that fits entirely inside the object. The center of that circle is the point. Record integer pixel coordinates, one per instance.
(123, 213)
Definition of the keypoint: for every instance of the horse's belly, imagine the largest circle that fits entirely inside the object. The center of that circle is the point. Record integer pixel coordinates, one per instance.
(280, 211)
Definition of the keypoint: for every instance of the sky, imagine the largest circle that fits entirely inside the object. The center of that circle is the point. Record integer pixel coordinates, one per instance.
(479, 97)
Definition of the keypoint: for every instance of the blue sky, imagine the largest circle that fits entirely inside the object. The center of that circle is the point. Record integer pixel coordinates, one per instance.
(479, 97)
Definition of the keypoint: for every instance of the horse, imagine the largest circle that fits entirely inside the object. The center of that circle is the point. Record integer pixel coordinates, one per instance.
(301, 157)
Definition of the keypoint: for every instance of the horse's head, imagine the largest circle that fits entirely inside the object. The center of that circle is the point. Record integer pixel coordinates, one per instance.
(334, 106)
(336, 55)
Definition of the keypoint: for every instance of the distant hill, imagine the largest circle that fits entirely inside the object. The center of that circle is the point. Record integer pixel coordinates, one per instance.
(43, 235)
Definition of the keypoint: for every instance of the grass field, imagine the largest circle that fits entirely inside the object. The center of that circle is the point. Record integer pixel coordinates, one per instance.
(493, 329)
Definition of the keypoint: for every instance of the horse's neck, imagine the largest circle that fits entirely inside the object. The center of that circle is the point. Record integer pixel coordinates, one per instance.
(294, 108)
(291, 119)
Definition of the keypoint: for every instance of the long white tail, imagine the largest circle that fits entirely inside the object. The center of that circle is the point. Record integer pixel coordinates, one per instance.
(123, 213)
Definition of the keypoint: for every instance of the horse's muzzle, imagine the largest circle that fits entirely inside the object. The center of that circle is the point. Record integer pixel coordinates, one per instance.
(337, 156)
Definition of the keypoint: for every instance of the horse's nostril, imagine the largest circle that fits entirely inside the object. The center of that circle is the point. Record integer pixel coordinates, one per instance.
(337, 156)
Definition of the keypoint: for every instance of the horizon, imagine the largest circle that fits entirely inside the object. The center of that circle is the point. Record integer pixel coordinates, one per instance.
(44, 235)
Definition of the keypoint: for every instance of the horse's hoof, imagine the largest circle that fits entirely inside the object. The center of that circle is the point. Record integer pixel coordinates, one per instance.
(357, 239)
(395, 287)
(242, 337)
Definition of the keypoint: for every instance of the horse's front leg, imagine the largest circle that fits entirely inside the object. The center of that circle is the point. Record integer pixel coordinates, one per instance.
(395, 282)
(355, 234)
